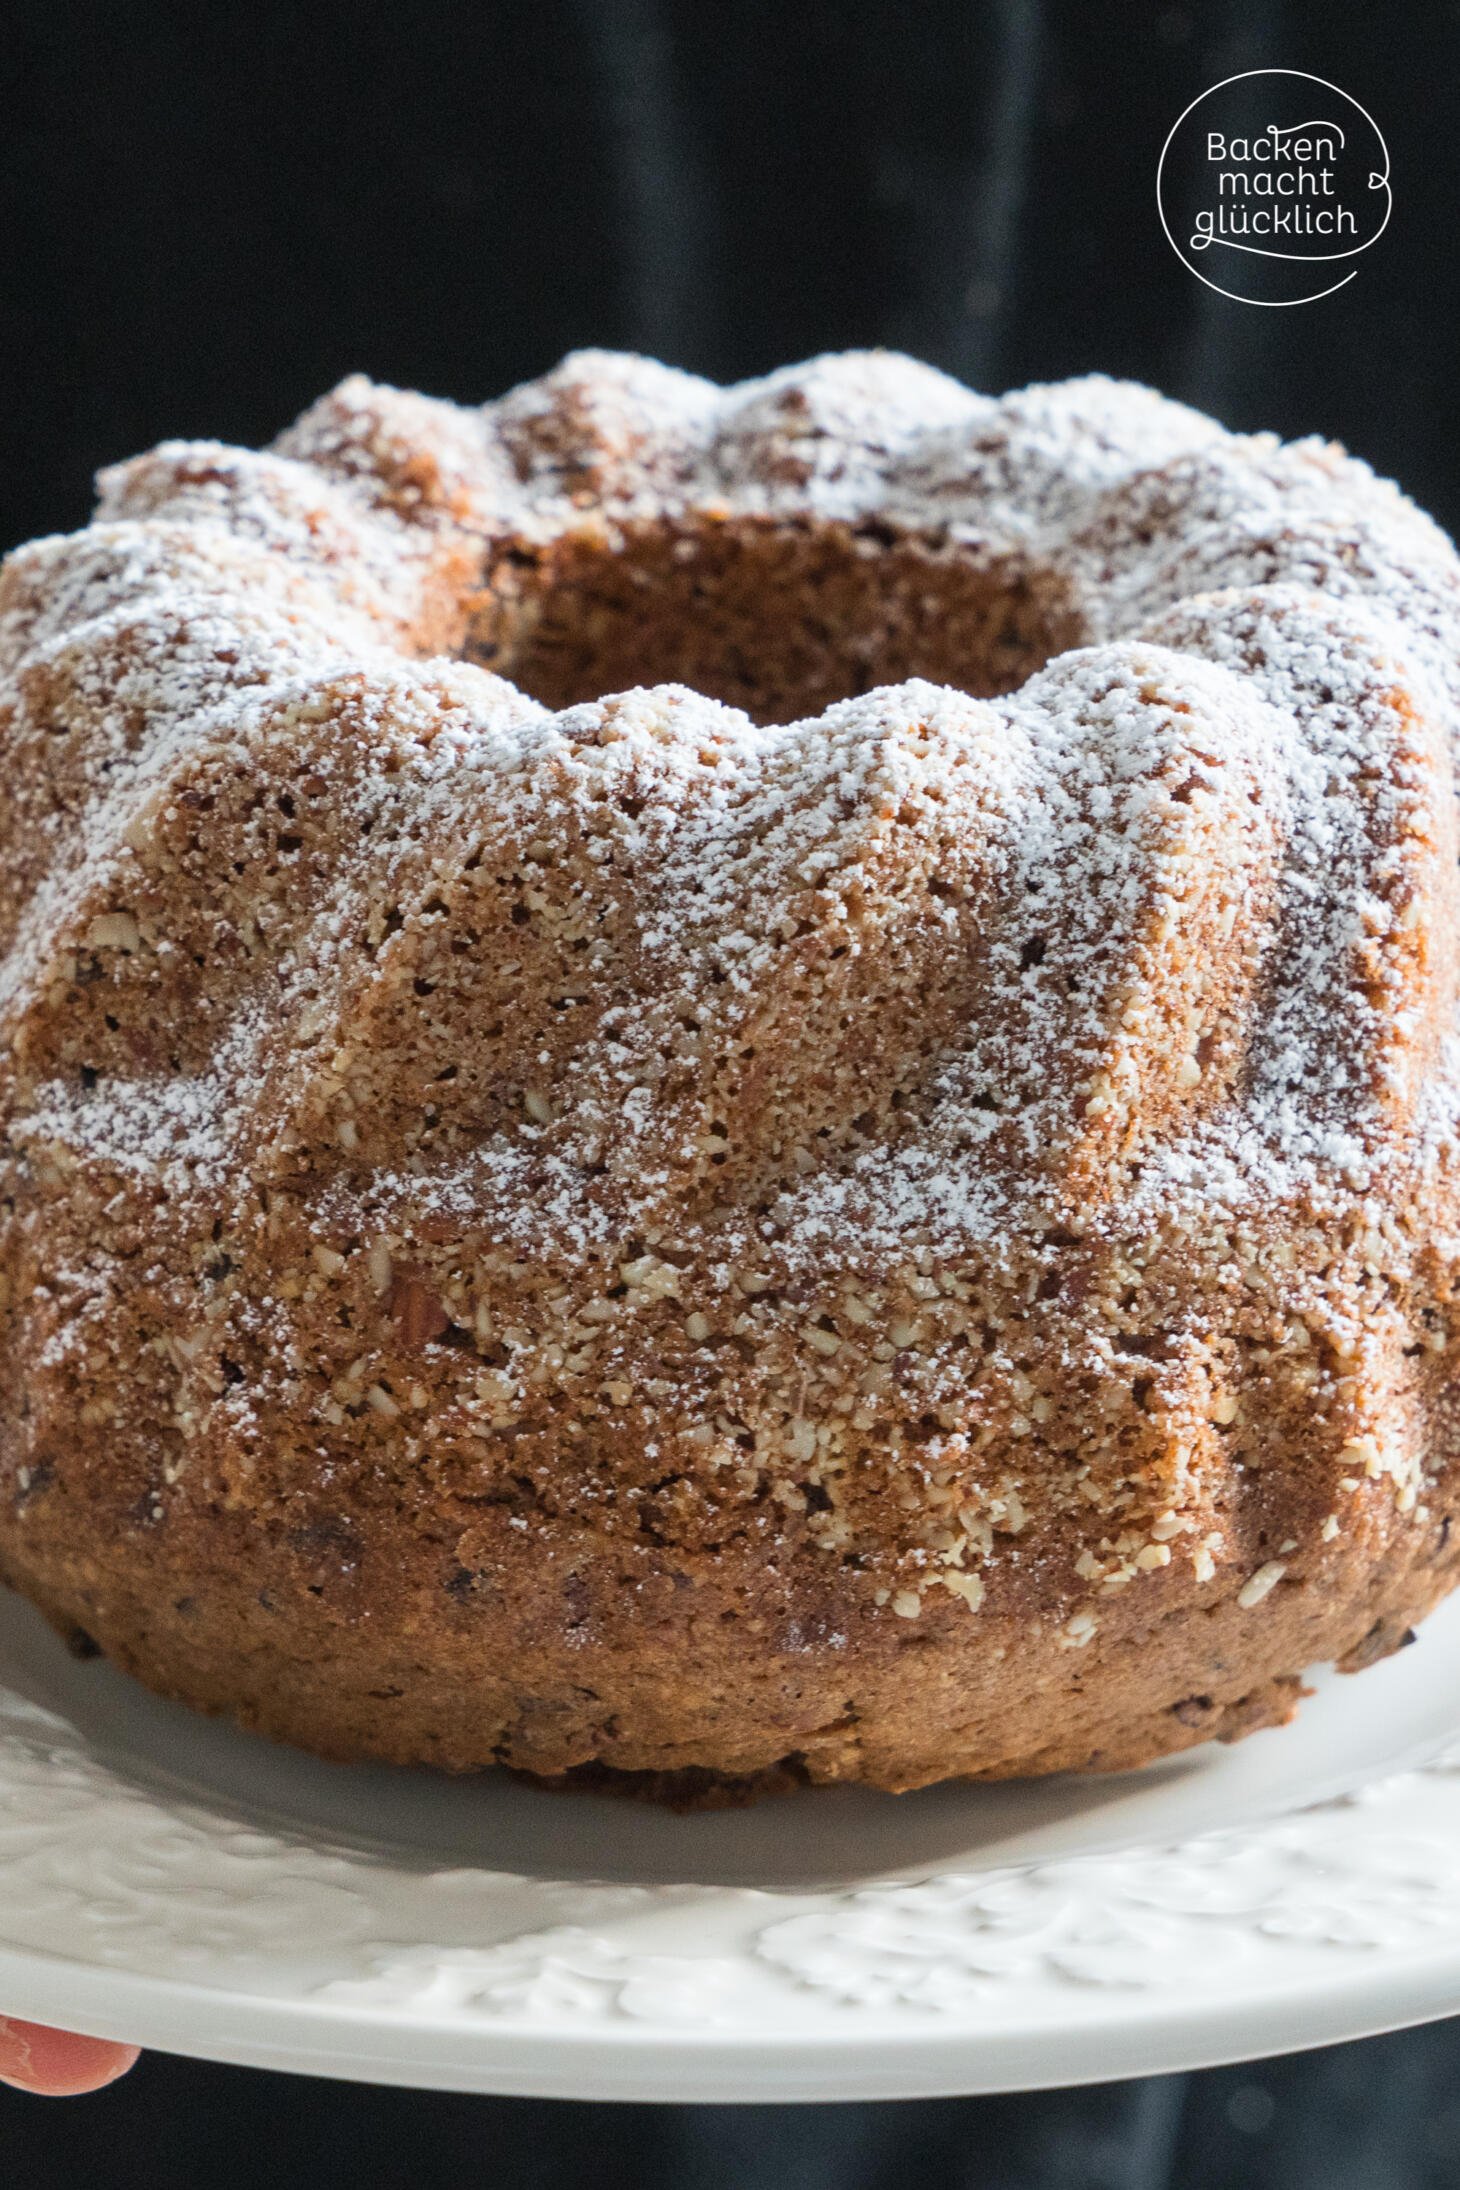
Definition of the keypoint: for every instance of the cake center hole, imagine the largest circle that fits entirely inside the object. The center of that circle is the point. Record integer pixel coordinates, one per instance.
(780, 619)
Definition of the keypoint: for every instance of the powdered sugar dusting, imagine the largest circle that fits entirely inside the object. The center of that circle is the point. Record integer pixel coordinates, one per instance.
(1247, 775)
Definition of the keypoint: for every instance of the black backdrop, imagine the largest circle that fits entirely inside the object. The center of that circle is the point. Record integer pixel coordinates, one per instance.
(208, 215)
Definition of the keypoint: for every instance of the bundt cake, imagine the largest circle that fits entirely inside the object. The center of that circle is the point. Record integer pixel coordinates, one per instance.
(712, 1085)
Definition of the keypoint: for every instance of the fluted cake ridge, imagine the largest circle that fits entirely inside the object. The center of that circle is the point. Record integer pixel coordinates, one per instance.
(724, 1081)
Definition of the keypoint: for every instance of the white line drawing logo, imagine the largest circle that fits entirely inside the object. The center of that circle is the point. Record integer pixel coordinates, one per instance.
(1264, 199)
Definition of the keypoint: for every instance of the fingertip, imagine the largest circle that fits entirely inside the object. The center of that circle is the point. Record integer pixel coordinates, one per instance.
(56, 2064)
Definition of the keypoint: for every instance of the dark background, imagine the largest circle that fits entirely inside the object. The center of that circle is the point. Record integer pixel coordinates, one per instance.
(207, 216)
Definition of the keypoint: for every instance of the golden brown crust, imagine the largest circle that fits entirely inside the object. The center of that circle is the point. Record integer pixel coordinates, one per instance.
(690, 1703)
(701, 1251)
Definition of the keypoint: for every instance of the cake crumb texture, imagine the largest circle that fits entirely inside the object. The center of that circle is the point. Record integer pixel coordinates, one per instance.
(706, 1089)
